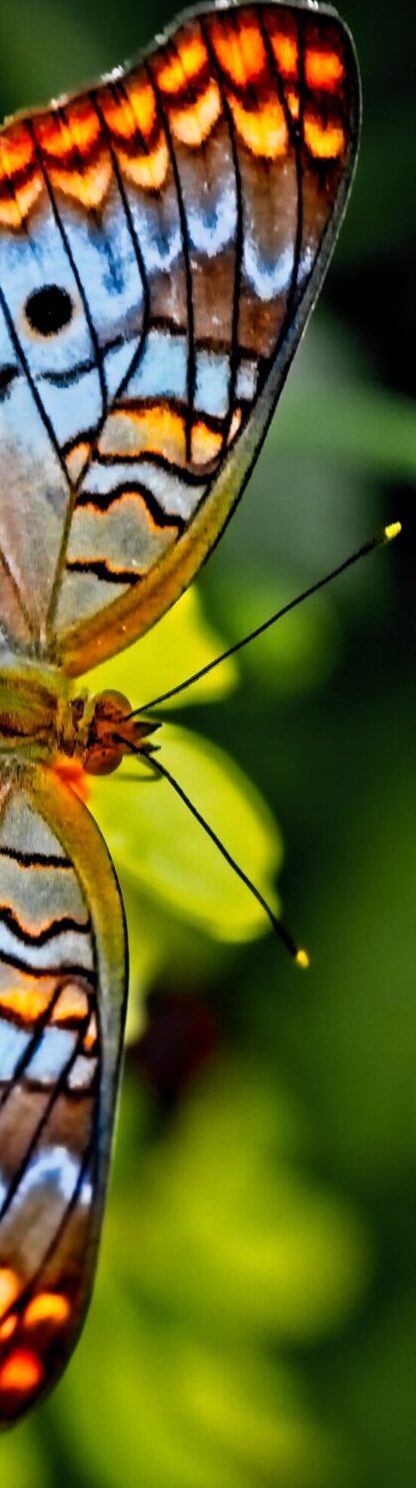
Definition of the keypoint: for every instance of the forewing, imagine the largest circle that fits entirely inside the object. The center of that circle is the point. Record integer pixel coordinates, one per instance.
(62, 982)
(178, 220)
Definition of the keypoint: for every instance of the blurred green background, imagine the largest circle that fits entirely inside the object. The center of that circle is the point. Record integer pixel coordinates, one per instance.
(254, 1320)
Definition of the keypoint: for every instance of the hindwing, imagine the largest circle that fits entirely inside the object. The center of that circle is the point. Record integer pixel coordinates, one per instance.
(62, 985)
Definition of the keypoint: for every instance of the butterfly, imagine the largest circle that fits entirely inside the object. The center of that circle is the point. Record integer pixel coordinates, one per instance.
(163, 237)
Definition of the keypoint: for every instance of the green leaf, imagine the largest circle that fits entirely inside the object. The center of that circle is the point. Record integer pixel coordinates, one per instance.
(277, 1253)
(190, 1416)
(181, 643)
(298, 652)
(187, 1309)
(214, 1250)
(364, 427)
(22, 1461)
(160, 849)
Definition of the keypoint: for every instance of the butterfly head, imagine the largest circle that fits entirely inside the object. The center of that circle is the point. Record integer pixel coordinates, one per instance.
(110, 732)
(97, 732)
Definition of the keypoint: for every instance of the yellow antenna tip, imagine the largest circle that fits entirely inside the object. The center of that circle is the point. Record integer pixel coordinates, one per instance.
(302, 959)
(392, 531)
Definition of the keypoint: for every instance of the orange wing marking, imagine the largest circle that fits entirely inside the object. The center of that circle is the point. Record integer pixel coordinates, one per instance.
(206, 444)
(143, 100)
(76, 458)
(324, 70)
(191, 126)
(124, 121)
(28, 1002)
(71, 1006)
(147, 171)
(84, 126)
(161, 430)
(90, 189)
(20, 180)
(48, 1307)
(264, 130)
(155, 429)
(137, 116)
(190, 60)
(32, 928)
(9, 1288)
(16, 151)
(8, 1327)
(21, 1373)
(293, 103)
(286, 52)
(235, 425)
(14, 213)
(241, 53)
(91, 1035)
(325, 142)
(53, 135)
(78, 133)
(131, 498)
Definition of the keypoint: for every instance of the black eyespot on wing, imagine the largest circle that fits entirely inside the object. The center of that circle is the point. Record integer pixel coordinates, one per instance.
(49, 310)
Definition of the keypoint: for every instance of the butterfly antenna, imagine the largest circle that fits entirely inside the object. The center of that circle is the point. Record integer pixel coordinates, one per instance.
(300, 956)
(386, 536)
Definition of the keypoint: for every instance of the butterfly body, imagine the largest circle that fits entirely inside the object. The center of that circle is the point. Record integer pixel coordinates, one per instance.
(41, 717)
(163, 237)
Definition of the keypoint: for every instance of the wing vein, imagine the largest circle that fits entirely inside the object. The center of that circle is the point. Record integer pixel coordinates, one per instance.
(33, 1283)
(37, 1133)
(19, 601)
(98, 363)
(31, 381)
(239, 237)
(134, 240)
(295, 131)
(191, 363)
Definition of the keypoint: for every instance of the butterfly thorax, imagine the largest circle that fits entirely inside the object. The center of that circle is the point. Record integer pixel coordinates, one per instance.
(40, 719)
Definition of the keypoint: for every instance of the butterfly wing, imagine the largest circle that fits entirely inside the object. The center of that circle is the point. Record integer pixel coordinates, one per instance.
(162, 239)
(62, 987)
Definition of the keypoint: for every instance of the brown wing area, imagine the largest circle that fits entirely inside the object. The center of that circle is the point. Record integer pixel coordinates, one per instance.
(56, 1090)
(185, 210)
